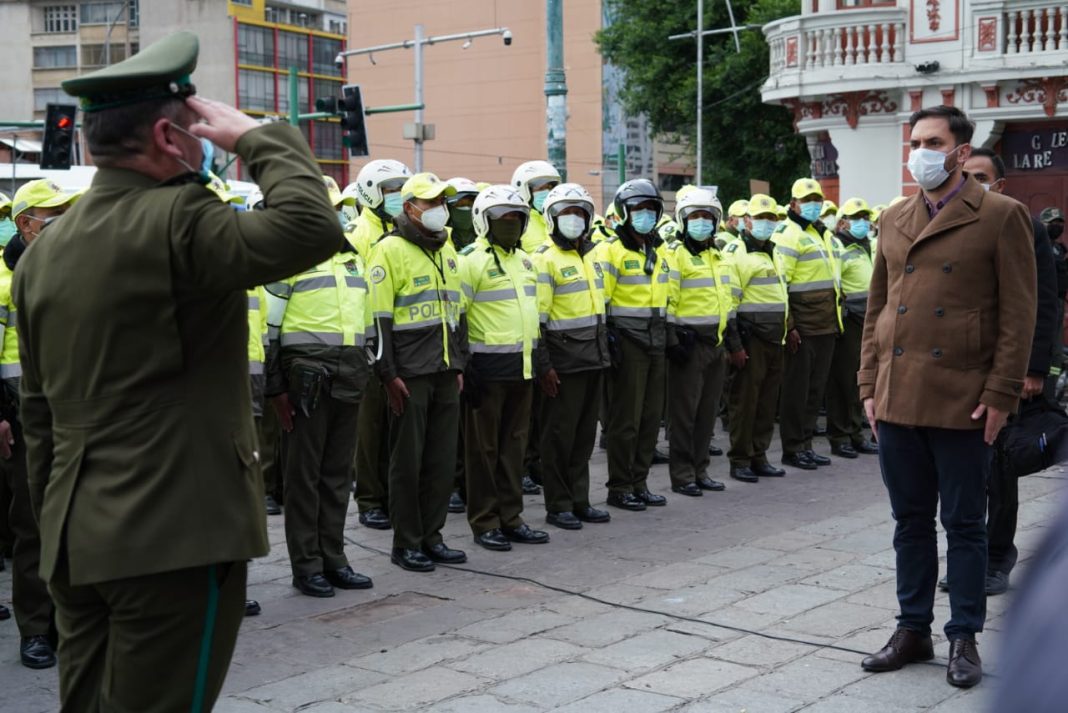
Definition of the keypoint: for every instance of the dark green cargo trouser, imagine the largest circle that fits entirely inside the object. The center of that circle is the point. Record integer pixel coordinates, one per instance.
(845, 425)
(752, 402)
(635, 408)
(694, 390)
(804, 383)
(371, 463)
(568, 431)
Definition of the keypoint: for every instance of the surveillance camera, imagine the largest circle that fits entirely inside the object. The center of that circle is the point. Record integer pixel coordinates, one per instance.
(339, 62)
(928, 67)
(507, 35)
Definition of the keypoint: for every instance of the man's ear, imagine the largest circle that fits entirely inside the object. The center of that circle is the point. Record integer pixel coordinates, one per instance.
(964, 153)
(163, 137)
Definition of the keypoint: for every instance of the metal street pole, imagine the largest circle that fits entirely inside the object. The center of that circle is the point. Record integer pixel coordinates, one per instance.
(555, 87)
(418, 98)
(700, 83)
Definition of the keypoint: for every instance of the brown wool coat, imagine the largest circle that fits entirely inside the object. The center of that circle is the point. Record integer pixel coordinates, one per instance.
(951, 310)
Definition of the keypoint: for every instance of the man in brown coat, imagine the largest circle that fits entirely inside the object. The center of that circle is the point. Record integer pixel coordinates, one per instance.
(947, 338)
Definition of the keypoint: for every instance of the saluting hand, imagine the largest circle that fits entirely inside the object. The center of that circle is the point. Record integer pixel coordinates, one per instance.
(225, 124)
(995, 421)
(397, 392)
(285, 411)
(7, 440)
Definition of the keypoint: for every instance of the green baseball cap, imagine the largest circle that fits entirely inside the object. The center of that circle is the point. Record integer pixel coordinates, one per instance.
(159, 71)
(1048, 215)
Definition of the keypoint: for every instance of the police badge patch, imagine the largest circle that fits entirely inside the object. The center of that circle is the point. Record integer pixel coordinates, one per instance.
(452, 264)
(378, 273)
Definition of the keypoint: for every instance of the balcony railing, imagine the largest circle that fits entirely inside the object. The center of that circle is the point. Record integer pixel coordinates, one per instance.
(1036, 29)
(857, 37)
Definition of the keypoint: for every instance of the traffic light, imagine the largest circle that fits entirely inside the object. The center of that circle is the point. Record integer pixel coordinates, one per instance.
(57, 148)
(352, 120)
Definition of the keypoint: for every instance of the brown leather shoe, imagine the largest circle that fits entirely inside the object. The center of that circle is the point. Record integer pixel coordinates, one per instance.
(905, 646)
(965, 669)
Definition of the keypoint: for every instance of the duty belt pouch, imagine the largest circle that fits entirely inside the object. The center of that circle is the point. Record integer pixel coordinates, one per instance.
(307, 383)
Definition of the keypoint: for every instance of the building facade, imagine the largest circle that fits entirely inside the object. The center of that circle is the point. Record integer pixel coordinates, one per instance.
(852, 71)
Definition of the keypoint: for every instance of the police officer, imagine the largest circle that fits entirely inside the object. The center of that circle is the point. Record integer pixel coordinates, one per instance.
(36, 204)
(378, 190)
(637, 269)
(845, 417)
(500, 287)
(805, 251)
(461, 228)
(155, 425)
(533, 180)
(572, 355)
(700, 315)
(417, 297)
(762, 323)
(735, 227)
(1053, 220)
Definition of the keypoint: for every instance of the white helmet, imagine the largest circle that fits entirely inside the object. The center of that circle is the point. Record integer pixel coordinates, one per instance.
(530, 171)
(492, 203)
(371, 177)
(697, 199)
(567, 195)
(462, 186)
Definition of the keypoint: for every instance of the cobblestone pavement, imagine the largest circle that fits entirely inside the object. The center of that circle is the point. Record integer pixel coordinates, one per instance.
(807, 557)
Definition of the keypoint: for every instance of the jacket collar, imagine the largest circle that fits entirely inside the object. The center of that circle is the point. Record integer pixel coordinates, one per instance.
(915, 224)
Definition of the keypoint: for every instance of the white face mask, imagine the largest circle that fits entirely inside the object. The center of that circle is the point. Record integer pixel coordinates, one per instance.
(434, 219)
(928, 167)
(571, 226)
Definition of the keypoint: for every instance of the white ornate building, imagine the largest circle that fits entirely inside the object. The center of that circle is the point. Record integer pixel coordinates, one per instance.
(852, 71)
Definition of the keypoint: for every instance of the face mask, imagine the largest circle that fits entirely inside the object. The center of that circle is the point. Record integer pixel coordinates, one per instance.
(1055, 230)
(700, 228)
(643, 221)
(763, 229)
(811, 211)
(207, 156)
(434, 219)
(342, 219)
(460, 218)
(539, 199)
(859, 229)
(393, 203)
(928, 167)
(44, 223)
(506, 233)
(571, 226)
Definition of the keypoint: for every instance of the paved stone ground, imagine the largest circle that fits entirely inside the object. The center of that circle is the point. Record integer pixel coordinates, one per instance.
(806, 557)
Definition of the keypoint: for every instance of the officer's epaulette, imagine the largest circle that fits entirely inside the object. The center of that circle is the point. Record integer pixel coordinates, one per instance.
(467, 249)
(542, 248)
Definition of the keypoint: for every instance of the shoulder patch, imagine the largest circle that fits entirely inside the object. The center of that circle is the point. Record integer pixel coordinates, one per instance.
(568, 271)
(631, 265)
(781, 228)
(612, 239)
(542, 248)
(528, 265)
(467, 249)
(421, 280)
(452, 264)
(378, 273)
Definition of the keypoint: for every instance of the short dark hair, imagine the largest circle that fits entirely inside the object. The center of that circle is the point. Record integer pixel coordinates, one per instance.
(114, 134)
(960, 125)
(999, 165)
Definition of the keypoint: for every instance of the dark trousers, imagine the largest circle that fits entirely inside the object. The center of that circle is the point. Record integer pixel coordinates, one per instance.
(422, 464)
(532, 464)
(318, 473)
(694, 390)
(372, 448)
(845, 424)
(635, 407)
(1003, 505)
(754, 394)
(923, 467)
(569, 429)
(496, 441)
(29, 594)
(269, 434)
(803, 385)
(157, 643)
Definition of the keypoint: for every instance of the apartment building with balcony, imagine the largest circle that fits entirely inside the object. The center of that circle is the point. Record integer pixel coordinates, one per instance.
(852, 71)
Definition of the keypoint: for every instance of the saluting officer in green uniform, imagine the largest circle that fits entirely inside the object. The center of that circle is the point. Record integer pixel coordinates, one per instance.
(142, 454)
(418, 306)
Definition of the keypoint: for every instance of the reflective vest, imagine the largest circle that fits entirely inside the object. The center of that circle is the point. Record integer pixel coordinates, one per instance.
(257, 329)
(632, 297)
(417, 289)
(536, 235)
(500, 292)
(367, 231)
(808, 261)
(733, 246)
(764, 300)
(10, 368)
(324, 306)
(857, 266)
(701, 287)
(570, 289)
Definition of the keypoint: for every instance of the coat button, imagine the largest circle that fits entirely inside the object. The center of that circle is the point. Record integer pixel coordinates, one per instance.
(939, 312)
(902, 309)
(936, 353)
(898, 351)
(909, 268)
(947, 268)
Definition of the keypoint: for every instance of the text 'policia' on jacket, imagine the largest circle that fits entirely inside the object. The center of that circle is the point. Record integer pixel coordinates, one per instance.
(702, 290)
(763, 307)
(806, 257)
(571, 308)
(322, 316)
(417, 299)
(636, 300)
(500, 287)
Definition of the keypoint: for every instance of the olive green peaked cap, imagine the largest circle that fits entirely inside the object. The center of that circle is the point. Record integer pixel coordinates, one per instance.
(159, 71)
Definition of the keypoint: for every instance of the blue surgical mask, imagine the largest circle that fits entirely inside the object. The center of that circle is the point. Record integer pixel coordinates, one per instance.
(700, 228)
(393, 204)
(643, 221)
(811, 211)
(207, 154)
(860, 228)
(539, 199)
(763, 229)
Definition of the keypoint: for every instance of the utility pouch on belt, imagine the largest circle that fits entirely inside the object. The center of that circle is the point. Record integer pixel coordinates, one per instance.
(310, 382)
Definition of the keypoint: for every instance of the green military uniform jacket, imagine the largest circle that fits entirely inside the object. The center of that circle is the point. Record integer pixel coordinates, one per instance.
(133, 339)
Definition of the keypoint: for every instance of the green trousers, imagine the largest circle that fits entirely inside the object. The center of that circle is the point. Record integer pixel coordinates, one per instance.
(751, 403)
(153, 644)
(804, 383)
(635, 408)
(371, 464)
(494, 446)
(422, 463)
(568, 432)
(29, 594)
(694, 391)
(318, 474)
(269, 433)
(845, 425)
